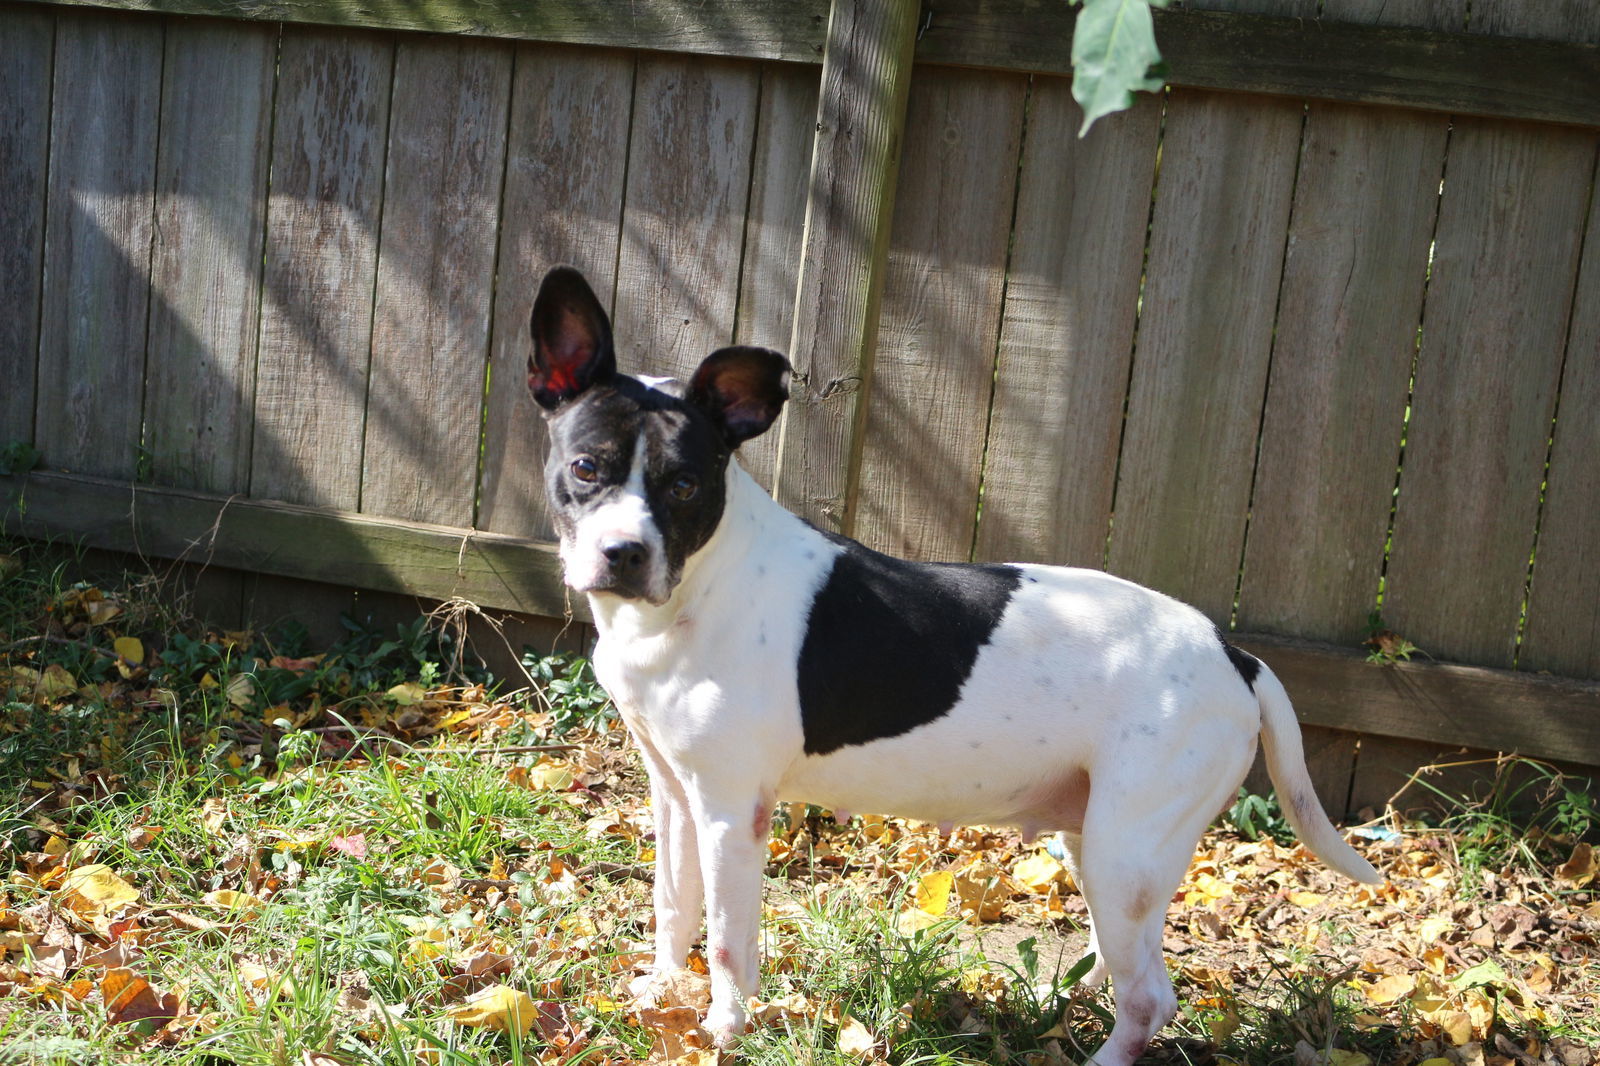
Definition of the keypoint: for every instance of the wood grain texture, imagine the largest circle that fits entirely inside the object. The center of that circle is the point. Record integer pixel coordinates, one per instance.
(1506, 254)
(1347, 325)
(775, 228)
(933, 378)
(27, 41)
(205, 272)
(1541, 80)
(851, 189)
(1072, 294)
(435, 282)
(1563, 629)
(1205, 330)
(286, 540)
(1499, 710)
(747, 29)
(107, 92)
(683, 227)
(321, 256)
(562, 203)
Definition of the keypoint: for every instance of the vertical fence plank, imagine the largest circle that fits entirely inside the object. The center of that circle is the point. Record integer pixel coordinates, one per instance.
(1216, 251)
(932, 379)
(688, 180)
(1072, 294)
(850, 193)
(562, 203)
(322, 237)
(1506, 255)
(447, 145)
(205, 272)
(775, 227)
(107, 93)
(1363, 219)
(27, 38)
(1563, 632)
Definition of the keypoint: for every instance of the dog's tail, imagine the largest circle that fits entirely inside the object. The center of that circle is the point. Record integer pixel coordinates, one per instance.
(1286, 763)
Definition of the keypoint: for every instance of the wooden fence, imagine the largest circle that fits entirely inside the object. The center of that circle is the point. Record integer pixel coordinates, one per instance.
(1320, 325)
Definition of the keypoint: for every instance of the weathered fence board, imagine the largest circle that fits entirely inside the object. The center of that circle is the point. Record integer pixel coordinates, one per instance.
(205, 270)
(1072, 294)
(1200, 365)
(435, 281)
(321, 256)
(851, 183)
(1510, 223)
(1563, 633)
(683, 227)
(106, 100)
(774, 227)
(562, 203)
(27, 42)
(933, 377)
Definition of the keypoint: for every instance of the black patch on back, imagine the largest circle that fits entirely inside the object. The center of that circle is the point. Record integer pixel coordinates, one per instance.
(1247, 665)
(889, 643)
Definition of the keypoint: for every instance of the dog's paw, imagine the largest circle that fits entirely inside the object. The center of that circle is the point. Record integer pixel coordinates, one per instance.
(726, 1026)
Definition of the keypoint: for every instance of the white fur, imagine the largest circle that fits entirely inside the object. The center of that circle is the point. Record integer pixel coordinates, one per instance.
(625, 517)
(1098, 708)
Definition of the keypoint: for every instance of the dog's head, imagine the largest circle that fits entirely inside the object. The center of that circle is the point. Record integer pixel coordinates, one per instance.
(637, 471)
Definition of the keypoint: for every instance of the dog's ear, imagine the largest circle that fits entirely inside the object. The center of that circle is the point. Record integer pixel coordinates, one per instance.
(571, 340)
(741, 390)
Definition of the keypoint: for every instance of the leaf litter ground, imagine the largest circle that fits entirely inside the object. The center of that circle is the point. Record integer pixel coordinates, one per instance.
(228, 848)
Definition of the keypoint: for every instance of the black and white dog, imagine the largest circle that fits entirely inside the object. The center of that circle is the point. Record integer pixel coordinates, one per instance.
(757, 659)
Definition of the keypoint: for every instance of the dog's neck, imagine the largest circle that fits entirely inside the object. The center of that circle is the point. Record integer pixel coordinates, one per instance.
(749, 518)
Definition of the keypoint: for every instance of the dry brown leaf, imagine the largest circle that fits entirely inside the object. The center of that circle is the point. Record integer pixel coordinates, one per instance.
(130, 998)
(95, 896)
(856, 1040)
(1581, 867)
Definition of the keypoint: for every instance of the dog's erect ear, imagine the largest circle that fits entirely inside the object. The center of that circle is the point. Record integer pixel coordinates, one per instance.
(741, 390)
(571, 340)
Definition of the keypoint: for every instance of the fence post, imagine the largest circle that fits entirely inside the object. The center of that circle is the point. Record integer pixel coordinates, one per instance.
(861, 112)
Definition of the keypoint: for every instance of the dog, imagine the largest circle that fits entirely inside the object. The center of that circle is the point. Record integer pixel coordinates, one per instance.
(756, 658)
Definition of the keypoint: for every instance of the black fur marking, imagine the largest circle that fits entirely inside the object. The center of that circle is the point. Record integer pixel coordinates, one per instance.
(1247, 665)
(889, 643)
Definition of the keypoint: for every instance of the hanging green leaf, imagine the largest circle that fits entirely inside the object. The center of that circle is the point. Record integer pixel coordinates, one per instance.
(1114, 55)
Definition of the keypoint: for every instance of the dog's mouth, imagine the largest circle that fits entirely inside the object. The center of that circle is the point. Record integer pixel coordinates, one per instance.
(623, 590)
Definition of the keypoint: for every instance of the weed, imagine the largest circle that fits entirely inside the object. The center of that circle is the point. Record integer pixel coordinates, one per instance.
(1255, 816)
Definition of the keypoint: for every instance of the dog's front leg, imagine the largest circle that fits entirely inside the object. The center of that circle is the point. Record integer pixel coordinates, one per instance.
(679, 890)
(732, 827)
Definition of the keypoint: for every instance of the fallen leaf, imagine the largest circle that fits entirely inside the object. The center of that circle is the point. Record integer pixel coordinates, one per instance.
(1581, 867)
(932, 894)
(856, 1039)
(130, 998)
(1039, 871)
(142, 836)
(130, 654)
(96, 895)
(498, 1007)
(407, 693)
(1387, 989)
(238, 904)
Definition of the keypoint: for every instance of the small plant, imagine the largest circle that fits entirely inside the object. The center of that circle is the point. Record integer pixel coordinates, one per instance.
(1255, 816)
(18, 457)
(568, 688)
(1385, 646)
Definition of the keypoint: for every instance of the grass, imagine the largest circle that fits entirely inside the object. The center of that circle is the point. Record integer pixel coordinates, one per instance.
(335, 851)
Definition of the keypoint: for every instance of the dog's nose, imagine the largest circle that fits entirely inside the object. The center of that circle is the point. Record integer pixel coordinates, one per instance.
(626, 558)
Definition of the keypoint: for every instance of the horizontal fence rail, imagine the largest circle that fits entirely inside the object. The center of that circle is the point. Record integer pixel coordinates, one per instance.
(1284, 354)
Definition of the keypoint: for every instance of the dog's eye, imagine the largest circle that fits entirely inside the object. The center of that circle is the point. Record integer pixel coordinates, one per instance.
(684, 487)
(583, 469)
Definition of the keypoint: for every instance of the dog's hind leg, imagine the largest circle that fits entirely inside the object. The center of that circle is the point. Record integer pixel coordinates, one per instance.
(1068, 847)
(679, 888)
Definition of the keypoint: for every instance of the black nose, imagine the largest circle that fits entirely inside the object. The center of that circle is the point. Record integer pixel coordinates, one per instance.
(626, 557)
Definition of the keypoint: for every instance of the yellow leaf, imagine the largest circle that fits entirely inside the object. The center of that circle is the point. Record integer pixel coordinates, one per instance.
(1456, 1024)
(933, 892)
(407, 693)
(1436, 1062)
(96, 895)
(130, 654)
(856, 1039)
(238, 904)
(550, 774)
(1390, 988)
(911, 920)
(1341, 1057)
(1433, 929)
(498, 1007)
(55, 847)
(1305, 899)
(1039, 871)
(241, 690)
(55, 684)
(983, 889)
